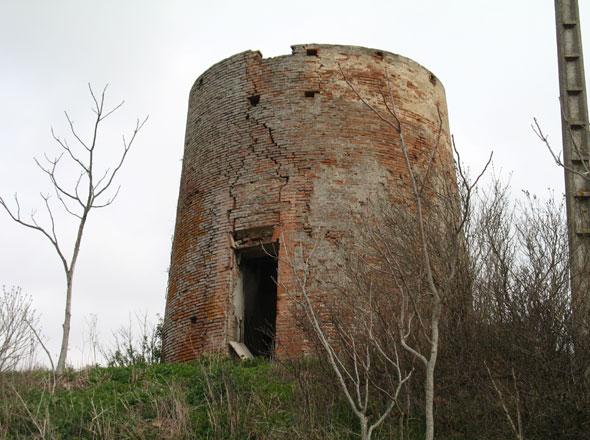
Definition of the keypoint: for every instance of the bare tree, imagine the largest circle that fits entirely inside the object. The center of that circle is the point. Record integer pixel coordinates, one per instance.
(17, 320)
(91, 189)
(423, 248)
(513, 362)
(359, 349)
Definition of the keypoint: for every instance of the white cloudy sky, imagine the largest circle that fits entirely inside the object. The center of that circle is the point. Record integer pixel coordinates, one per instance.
(496, 59)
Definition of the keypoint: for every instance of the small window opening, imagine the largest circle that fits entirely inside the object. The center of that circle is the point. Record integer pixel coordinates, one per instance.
(259, 275)
(254, 99)
(379, 54)
(432, 79)
(193, 319)
(312, 52)
(310, 93)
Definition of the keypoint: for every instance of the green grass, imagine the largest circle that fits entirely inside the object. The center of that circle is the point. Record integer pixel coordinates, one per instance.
(209, 399)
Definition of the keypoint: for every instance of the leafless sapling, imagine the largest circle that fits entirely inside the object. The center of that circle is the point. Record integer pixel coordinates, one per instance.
(422, 248)
(91, 189)
(356, 351)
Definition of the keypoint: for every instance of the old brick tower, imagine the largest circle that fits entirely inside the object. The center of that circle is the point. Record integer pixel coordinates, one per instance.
(279, 153)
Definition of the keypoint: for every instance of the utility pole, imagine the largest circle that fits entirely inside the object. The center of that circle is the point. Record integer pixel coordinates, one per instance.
(576, 152)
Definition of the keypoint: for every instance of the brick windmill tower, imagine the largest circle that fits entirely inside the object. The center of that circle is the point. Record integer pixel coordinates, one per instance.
(280, 153)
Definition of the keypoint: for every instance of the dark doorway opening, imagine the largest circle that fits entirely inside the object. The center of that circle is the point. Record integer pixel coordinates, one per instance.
(259, 274)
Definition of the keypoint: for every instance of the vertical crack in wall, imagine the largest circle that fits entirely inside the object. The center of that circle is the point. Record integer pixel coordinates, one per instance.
(269, 153)
(232, 182)
(285, 177)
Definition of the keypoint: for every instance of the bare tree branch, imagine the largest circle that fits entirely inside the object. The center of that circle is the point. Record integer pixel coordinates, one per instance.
(557, 157)
(516, 428)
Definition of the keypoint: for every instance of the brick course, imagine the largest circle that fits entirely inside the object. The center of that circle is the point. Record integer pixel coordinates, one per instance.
(284, 146)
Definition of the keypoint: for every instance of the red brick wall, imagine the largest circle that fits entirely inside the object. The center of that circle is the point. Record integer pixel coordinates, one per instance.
(303, 166)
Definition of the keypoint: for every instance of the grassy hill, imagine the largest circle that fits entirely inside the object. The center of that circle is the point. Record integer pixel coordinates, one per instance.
(209, 399)
(216, 398)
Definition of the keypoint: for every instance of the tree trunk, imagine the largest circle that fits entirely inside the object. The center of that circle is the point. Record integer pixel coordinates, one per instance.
(63, 353)
(430, 365)
(365, 435)
(429, 401)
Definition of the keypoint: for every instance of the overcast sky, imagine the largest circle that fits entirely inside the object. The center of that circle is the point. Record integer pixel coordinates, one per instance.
(496, 59)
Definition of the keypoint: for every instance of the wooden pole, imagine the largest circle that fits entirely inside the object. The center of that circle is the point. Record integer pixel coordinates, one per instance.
(576, 152)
